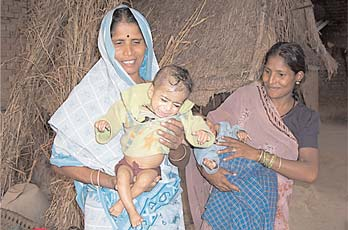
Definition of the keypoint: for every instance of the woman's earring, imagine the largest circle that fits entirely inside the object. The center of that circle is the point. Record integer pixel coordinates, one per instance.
(298, 82)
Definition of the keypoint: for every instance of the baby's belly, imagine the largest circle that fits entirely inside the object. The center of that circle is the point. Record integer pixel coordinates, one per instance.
(146, 161)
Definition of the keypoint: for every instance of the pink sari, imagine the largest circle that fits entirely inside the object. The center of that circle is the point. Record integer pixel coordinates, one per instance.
(252, 110)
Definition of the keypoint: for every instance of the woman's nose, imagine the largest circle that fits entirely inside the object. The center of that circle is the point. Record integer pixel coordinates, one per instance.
(272, 78)
(128, 50)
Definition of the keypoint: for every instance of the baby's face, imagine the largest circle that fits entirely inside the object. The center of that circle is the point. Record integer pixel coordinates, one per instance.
(166, 101)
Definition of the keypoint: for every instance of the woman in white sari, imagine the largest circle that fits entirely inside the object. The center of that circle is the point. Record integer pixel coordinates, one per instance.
(127, 58)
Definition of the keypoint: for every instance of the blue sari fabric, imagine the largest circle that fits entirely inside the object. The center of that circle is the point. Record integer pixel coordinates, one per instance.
(148, 203)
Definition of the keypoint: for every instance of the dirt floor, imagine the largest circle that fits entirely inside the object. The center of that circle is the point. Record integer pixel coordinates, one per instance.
(324, 204)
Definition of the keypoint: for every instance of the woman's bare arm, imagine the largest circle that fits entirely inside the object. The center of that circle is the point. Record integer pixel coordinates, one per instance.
(304, 169)
(86, 175)
(179, 154)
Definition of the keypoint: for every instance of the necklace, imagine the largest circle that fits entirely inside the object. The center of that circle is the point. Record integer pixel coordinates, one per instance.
(293, 105)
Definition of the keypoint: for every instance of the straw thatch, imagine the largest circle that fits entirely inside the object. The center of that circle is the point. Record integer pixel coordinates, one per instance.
(221, 43)
(226, 41)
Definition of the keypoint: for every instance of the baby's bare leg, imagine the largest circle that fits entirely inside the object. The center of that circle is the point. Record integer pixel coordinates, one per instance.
(143, 181)
(123, 183)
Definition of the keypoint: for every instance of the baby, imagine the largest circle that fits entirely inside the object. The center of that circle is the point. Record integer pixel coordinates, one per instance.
(139, 113)
(257, 197)
(208, 158)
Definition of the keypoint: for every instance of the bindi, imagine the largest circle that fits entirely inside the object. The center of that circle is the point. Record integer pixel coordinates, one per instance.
(127, 35)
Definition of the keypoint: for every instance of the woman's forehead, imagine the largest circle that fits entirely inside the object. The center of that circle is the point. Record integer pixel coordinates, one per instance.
(276, 61)
(127, 30)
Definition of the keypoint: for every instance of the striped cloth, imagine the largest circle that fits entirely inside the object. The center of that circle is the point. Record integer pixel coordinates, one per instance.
(254, 207)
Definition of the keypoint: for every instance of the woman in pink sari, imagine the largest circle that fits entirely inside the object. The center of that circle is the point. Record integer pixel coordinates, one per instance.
(283, 131)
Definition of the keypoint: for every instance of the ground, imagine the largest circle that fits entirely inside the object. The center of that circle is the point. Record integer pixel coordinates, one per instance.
(324, 204)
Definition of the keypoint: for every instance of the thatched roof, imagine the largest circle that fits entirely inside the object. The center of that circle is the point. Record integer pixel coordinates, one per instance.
(224, 42)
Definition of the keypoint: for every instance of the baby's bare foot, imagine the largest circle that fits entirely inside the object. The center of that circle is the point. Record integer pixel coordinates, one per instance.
(211, 164)
(135, 219)
(116, 209)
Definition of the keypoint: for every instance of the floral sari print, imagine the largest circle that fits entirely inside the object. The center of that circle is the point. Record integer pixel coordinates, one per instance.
(75, 144)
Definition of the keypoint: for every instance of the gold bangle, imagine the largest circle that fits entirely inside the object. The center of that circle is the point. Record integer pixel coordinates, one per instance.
(181, 158)
(264, 158)
(260, 156)
(280, 163)
(91, 177)
(98, 178)
(270, 163)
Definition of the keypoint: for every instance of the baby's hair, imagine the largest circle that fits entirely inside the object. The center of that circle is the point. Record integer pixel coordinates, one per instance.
(175, 76)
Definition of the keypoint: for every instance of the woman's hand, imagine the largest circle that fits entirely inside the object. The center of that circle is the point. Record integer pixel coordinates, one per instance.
(219, 179)
(238, 148)
(172, 141)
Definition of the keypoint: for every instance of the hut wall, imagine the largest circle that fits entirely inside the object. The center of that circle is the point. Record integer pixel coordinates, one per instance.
(333, 93)
(224, 47)
(13, 14)
(311, 87)
(225, 51)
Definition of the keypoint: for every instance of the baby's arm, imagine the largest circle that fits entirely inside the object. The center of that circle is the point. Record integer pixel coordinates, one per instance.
(197, 132)
(111, 123)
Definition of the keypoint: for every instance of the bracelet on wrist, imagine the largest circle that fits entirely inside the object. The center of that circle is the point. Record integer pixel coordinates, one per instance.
(267, 159)
(91, 177)
(280, 163)
(182, 157)
(98, 177)
(260, 156)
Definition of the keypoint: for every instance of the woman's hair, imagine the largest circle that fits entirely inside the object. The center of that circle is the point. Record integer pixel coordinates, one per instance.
(175, 75)
(294, 57)
(122, 15)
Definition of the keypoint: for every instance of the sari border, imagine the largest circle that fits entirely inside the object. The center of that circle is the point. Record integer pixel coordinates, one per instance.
(272, 114)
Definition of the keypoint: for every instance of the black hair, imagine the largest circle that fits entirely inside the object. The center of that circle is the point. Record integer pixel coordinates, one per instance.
(122, 15)
(180, 75)
(294, 57)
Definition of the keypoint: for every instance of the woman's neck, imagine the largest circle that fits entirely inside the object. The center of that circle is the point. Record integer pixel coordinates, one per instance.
(284, 106)
(137, 79)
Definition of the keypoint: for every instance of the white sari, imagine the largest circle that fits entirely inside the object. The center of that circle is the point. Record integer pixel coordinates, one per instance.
(75, 144)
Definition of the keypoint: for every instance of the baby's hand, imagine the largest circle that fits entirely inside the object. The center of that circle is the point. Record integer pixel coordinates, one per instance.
(102, 125)
(243, 136)
(202, 136)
